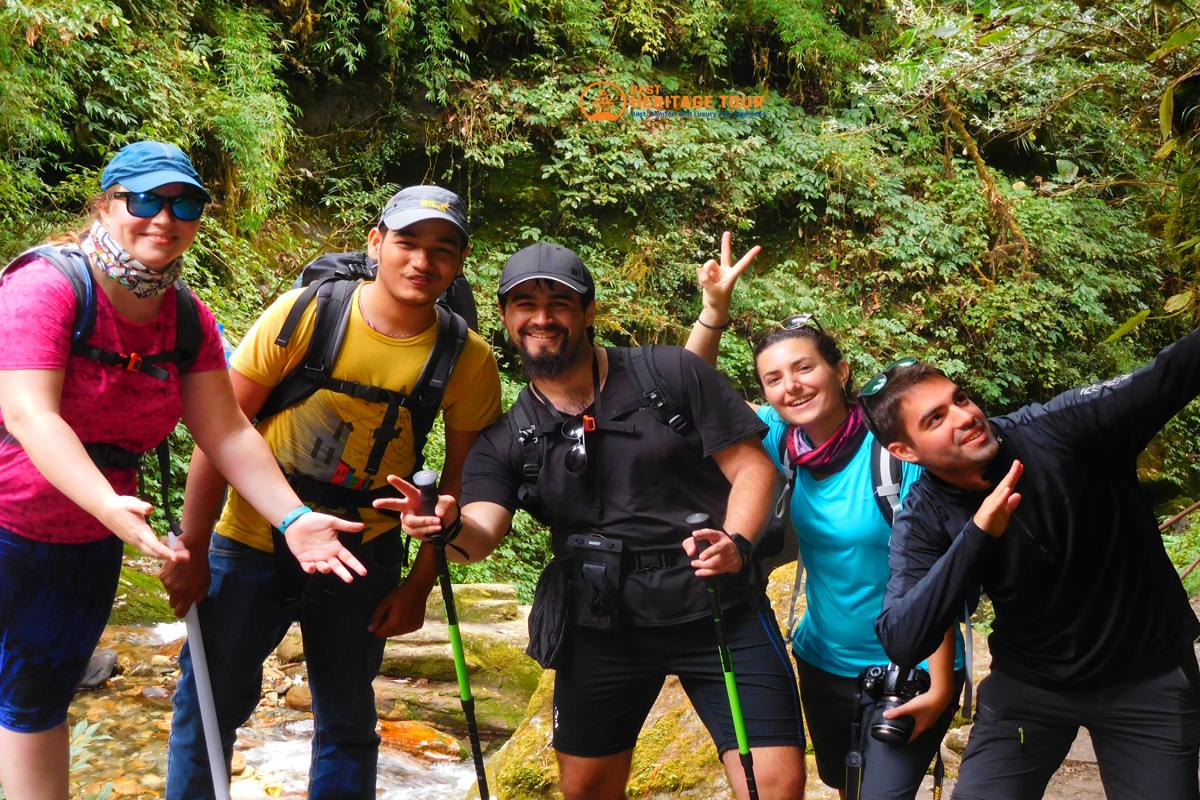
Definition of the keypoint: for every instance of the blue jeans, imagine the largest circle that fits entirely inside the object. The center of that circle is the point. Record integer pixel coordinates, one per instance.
(243, 618)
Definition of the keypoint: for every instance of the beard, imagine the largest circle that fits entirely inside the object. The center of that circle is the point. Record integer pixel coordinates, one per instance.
(548, 365)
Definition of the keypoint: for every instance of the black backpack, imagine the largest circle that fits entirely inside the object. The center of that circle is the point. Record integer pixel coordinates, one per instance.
(73, 264)
(331, 281)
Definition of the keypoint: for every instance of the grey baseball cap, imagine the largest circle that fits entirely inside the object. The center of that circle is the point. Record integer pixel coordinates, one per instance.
(416, 203)
(547, 261)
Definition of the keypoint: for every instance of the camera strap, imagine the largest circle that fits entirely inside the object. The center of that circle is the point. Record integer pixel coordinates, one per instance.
(968, 703)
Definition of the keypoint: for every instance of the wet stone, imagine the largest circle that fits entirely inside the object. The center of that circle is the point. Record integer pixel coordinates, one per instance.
(299, 698)
(157, 696)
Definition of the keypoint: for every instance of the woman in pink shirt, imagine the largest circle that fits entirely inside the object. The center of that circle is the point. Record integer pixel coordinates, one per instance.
(73, 418)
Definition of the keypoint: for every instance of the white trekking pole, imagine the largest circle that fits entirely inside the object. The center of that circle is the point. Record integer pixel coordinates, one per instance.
(204, 696)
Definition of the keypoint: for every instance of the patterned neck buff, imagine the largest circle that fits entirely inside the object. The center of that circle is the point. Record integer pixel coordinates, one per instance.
(832, 455)
(118, 264)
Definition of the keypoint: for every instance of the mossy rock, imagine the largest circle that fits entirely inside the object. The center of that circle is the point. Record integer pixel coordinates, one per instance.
(140, 600)
(502, 661)
(476, 602)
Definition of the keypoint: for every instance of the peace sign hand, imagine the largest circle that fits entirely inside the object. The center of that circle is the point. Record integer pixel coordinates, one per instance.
(718, 279)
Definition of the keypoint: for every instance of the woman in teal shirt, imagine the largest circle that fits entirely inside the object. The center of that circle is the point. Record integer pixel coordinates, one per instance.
(818, 432)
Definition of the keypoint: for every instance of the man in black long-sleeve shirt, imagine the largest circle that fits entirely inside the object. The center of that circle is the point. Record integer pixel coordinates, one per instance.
(1041, 510)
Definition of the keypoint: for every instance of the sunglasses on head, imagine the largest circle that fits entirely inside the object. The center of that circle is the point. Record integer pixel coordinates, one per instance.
(576, 430)
(146, 205)
(798, 321)
(876, 384)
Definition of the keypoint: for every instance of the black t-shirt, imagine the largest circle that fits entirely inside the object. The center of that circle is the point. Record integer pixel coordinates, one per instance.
(644, 479)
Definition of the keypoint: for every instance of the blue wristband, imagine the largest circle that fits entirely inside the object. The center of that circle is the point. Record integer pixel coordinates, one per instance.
(292, 516)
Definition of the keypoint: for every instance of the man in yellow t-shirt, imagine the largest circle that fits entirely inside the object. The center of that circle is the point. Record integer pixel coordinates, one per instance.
(328, 440)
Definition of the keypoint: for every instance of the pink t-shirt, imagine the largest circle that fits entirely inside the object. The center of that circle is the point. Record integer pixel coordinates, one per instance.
(101, 402)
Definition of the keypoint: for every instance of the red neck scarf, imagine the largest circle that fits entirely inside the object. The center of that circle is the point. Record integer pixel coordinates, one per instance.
(833, 454)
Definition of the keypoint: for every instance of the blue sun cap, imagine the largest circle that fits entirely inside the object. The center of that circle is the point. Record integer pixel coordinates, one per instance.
(142, 166)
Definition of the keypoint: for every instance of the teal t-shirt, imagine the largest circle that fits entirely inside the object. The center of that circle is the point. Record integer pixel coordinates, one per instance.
(844, 543)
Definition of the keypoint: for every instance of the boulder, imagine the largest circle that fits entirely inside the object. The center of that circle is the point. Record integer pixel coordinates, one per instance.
(291, 649)
(476, 602)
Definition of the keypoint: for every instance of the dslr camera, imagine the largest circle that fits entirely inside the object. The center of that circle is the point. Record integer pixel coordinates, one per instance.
(891, 687)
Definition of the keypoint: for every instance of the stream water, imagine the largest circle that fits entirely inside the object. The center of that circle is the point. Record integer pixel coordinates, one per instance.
(133, 713)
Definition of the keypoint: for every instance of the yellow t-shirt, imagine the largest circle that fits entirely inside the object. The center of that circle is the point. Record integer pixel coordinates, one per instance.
(329, 436)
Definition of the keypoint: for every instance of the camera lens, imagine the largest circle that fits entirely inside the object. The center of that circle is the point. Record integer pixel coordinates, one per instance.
(891, 731)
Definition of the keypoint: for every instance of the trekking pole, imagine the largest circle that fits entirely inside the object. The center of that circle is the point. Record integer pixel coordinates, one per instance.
(695, 522)
(204, 696)
(426, 480)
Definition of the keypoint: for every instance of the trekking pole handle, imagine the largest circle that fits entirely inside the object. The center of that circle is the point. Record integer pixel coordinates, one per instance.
(695, 522)
(426, 480)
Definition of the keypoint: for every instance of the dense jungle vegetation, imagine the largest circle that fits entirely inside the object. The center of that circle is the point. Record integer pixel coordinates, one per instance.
(1007, 187)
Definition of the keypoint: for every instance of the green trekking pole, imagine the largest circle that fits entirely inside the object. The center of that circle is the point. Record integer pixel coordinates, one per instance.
(696, 522)
(426, 480)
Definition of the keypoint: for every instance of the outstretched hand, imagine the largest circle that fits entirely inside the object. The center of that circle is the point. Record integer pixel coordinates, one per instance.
(717, 279)
(313, 539)
(415, 521)
(998, 507)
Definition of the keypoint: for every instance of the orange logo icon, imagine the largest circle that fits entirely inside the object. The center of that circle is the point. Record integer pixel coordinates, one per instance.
(602, 100)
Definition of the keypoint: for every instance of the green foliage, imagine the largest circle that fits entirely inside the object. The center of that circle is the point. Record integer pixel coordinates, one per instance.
(1183, 546)
(876, 211)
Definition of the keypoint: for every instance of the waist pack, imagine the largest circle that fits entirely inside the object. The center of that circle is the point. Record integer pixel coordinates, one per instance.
(596, 589)
(549, 618)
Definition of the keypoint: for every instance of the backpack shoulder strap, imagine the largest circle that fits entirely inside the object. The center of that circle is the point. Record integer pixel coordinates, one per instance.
(526, 429)
(885, 481)
(329, 331)
(187, 327)
(430, 388)
(73, 265)
(658, 400)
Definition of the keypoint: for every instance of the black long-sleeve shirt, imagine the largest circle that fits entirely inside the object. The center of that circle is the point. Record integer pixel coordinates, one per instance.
(1082, 588)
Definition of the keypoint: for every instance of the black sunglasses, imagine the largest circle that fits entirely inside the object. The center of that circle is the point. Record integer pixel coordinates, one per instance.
(146, 205)
(876, 384)
(576, 430)
(798, 321)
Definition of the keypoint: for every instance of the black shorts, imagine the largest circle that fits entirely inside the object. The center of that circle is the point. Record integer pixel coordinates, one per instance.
(605, 689)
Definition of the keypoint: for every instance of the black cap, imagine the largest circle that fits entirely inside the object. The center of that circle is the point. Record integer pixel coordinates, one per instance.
(547, 261)
(416, 203)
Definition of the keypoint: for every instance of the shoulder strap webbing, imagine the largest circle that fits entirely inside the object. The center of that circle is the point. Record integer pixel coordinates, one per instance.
(329, 331)
(529, 434)
(885, 480)
(658, 401)
(430, 388)
(72, 263)
(333, 295)
(187, 327)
